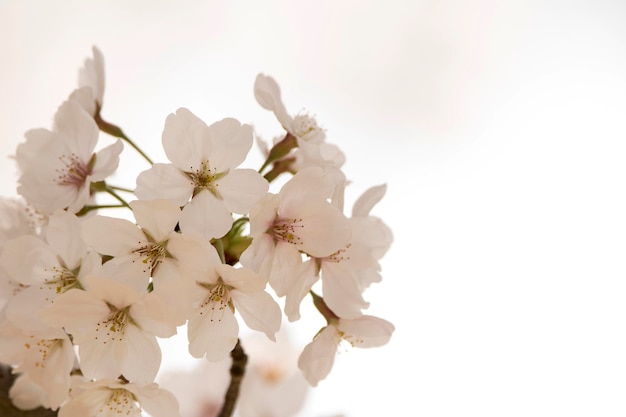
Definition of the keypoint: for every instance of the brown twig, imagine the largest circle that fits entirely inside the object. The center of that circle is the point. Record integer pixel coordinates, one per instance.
(237, 370)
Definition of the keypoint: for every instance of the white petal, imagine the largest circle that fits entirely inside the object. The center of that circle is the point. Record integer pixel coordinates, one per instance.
(243, 279)
(230, 142)
(26, 394)
(77, 311)
(267, 94)
(259, 310)
(85, 97)
(242, 188)
(300, 286)
(28, 260)
(24, 308)
(164, 181)
(196, 257)
(312, 184)
(212, 335)
(64, 236)
(54, 375)
(341, 292)
(158, 217)
(139, 356)
(128, 269)
(97, 359)
(112, 236)
(107, 161)
(206, 215)
(176, 289)
(374, 233)
(184, 136)
(367, 331)
(92, 75)
(79, 196)
(86, 403)
(364, 204)
(287, 260)
(325, 231)
(318, 357)
(158, 402)
(78, 128)
(263, 213)
(259, 255)
(31, 149)
(114, 292)
(151, 314)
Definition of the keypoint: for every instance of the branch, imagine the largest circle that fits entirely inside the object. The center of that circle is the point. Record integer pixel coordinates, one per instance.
(237, 370)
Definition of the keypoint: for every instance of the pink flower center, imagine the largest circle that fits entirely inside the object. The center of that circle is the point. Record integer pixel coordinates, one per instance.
(74, 171)
(286, 230)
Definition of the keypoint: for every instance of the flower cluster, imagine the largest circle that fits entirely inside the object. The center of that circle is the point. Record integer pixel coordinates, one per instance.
(212, 246)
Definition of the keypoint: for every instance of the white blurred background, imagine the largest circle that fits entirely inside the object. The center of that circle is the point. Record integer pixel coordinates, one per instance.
(498, 127)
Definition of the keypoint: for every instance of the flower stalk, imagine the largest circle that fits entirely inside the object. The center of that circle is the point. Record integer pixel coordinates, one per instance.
(117, 132)
(237, 371)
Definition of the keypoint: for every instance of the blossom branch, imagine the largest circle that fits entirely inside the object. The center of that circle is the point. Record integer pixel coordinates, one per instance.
(237, 370)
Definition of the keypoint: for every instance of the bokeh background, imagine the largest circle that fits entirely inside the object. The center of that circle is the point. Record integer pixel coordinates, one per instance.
(497, 126)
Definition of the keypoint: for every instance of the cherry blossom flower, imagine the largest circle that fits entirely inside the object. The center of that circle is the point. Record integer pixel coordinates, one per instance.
(27, 395)
(312, 149)
(318, 356)
(142, 253)
(15, 221)
(58, 166)
(303, 127)
(221, 290)
(46, 356)
(112, 398)
(213, 328)
(203, 175)
(299, 219)
(346, 273)
(137, 249)
(46, 267)
(115, 328)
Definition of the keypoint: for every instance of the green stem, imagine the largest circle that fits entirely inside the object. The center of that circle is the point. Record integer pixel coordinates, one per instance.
(126, 190)
(283, 165)
(117, 197)
(280, 150)
(116, 131)
(321, 306)
(87, 209)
